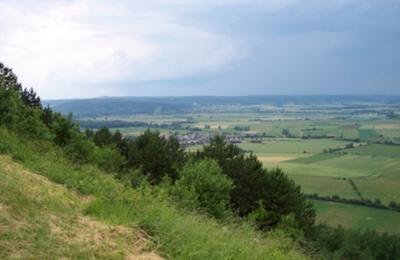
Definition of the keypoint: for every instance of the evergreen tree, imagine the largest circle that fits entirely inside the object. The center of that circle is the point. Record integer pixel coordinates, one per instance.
(102, 137)
(254, 186)
(157, 156)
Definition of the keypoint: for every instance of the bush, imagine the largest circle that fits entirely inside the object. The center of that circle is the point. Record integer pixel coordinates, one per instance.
(108, 158)
(80, 150)
(202, 184)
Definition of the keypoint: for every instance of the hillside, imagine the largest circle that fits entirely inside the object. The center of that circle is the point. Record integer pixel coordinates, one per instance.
(217, 203)
(97, 217)
(40, 219)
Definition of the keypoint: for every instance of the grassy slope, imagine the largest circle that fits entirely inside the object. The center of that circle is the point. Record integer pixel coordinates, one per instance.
(39, 219)
(175, 234)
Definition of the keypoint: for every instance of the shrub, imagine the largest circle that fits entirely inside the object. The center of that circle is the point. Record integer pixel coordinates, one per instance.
(108, 158)
(203, 184)
(80, 150)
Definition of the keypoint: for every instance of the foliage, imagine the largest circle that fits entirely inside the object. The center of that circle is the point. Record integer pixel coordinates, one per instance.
(102, 137)
(157, 156)
(80, 150)
(108, 158)
(346, 244)
(202, 184)
(253, 184)
(176, 234)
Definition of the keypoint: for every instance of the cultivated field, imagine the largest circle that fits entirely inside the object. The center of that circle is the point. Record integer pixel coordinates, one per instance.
(357, 217)
(323, 148)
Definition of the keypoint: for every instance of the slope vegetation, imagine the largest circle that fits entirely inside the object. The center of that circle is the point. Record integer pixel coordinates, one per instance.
(39, 219)
(92, 215)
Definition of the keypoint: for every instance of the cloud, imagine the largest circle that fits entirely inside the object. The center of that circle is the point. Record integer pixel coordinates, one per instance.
(76, 43)
(71, 48)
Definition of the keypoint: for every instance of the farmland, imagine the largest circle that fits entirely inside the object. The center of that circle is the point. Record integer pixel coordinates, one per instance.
(329, 149)
(357, 217)
(374, 168)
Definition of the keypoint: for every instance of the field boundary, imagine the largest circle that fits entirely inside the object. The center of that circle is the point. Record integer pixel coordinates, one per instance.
(358, 202)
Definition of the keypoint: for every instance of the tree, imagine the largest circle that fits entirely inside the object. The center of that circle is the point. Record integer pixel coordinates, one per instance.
(30, 98)
(47, 116)
(285, 132)
(202, 184)
(117, 137)
(283, 197)
(255, 186)
(102, 137)
(157, 156)
(64, 129)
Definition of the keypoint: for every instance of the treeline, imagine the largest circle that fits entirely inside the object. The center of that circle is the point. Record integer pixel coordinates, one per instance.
(356, 190)
(97, 124)
(219, 180)
(377, 203)
(340, 243)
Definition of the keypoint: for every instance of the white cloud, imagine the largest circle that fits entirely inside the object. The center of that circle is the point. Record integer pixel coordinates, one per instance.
(76, 48)
(77, 44)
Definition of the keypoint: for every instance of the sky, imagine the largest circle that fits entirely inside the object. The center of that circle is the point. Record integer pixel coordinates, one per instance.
(92, 48)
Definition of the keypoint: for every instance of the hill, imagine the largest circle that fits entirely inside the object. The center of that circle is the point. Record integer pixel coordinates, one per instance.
(40, 219)
(106, 106)
(91, 215)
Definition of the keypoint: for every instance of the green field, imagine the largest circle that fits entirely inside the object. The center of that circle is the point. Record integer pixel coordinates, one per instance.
(292, 146)
(373, 167)
(380, 150)
(357, 217)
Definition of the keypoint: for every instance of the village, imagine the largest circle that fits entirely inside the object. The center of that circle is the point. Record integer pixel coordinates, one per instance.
(201, 138)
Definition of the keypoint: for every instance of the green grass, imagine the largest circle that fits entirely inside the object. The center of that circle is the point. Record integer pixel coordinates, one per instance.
(365, 134)
(176, 234)
(376, 150)
(292, 146)
(366, 166)
(386, 188)
(325, 186)
(374, 168)
(316, 158)
(294, 169)
(358, 217)
(42, 220)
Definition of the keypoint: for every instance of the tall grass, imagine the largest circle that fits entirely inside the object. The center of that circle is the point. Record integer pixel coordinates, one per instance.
(177, 234)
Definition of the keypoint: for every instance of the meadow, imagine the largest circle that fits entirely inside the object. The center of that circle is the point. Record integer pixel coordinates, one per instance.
(357, 217)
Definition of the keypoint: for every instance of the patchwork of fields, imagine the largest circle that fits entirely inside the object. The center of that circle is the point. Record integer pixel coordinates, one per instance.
(314, 153)
(374, 169)
(357, 217)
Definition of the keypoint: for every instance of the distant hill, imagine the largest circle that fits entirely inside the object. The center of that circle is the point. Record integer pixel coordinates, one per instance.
(175, 105)
(114, 106)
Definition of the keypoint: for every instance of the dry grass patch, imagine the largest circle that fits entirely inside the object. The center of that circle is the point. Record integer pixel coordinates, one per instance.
(275, 159)
(41, 220)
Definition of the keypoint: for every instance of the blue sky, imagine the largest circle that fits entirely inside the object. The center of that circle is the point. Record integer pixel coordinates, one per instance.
(92, 48)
